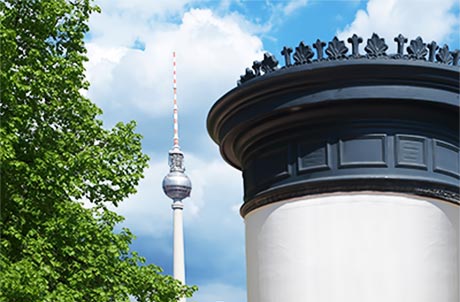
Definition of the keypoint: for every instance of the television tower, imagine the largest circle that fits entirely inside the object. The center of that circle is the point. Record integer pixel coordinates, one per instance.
(177, 186)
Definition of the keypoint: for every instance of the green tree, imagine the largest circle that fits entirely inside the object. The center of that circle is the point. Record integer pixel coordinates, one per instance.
(54, 153)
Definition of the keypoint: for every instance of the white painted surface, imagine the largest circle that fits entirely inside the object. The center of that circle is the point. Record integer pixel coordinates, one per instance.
(178, 244)
(354, 248)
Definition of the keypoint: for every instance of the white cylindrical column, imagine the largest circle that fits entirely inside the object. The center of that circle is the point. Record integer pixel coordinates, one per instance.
(353, 248)
(178, 243)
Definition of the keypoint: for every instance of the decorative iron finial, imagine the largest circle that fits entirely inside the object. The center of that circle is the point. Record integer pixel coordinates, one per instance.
(319, 45)
(400, 40)
(355, 41)
(286, 53)
(256, 67)
(432, 47)
(455, 57)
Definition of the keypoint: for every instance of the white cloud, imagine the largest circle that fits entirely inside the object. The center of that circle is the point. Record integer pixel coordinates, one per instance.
(293, 6)
(279, 11)
(148, 212)
(143, 9)
(428, 19)
(211, 51)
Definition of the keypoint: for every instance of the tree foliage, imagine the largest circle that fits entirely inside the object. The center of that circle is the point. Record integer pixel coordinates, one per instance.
(54, 153)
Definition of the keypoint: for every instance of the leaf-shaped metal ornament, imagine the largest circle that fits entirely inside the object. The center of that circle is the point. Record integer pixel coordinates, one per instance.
(376, 46)
(303, 54)
(444, 55)
(246, 77)
(269, 63)
(417, 49)
(336, 49)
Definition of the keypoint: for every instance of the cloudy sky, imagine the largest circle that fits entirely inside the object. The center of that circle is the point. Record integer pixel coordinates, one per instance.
(130, 49)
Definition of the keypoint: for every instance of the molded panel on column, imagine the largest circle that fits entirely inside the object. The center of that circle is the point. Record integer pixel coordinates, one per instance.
(411, 151)
(446, 159)
(366, 151)
(270, 167)
(313, 156)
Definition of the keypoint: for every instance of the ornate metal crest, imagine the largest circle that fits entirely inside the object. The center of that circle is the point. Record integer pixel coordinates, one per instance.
(417, 49)
(444, 55)
(336, 49)
(303, 54)
(269, 63)
(375, 48)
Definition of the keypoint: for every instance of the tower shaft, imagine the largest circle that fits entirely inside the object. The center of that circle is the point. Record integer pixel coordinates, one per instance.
(178, 258)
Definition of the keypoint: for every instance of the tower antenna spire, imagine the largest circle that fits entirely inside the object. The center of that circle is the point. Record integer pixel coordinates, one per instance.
(175, 110)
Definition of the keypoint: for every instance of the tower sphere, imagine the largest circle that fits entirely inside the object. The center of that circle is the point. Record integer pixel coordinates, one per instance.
(177, 185)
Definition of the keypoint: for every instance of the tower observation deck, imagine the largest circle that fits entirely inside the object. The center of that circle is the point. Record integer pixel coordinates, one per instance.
(176, 183)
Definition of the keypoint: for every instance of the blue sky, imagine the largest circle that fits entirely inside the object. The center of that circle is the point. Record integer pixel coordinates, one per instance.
(130, 49)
